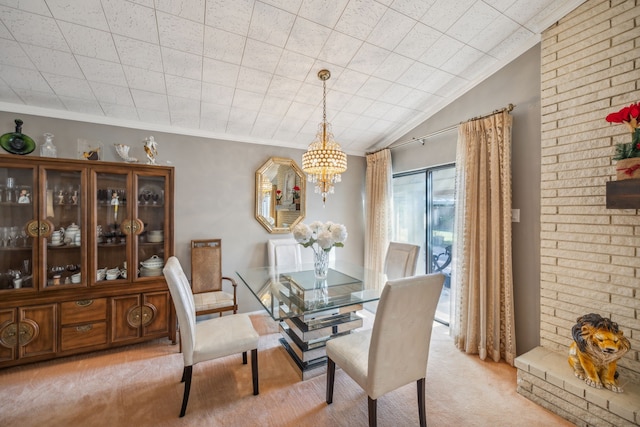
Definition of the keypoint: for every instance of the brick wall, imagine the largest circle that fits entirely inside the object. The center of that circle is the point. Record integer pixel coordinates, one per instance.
(545, 378)
(590, 255)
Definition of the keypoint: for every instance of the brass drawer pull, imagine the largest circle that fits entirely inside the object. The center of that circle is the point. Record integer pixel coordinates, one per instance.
(9, 335)
(137, 226)
(148, 314)
(33, 228)
(84, 328)
(84, 302)
(132, 226)
(133, 317)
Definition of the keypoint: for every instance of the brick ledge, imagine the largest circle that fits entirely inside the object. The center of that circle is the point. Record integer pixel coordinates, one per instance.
(553, 368)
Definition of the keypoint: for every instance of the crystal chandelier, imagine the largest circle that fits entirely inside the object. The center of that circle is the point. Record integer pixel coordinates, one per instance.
(267, 186)
(324, 161)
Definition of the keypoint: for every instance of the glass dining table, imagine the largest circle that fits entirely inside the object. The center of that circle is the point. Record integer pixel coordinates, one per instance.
(311, 311)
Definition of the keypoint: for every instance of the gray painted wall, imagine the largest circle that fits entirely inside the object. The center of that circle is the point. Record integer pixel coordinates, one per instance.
(518, 83)
(215, 185)
(215, 181)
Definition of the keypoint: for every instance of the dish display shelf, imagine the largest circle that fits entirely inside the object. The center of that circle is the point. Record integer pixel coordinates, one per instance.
(73, 235)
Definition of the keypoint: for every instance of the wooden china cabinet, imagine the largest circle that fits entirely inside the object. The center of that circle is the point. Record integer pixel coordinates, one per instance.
(72, 236)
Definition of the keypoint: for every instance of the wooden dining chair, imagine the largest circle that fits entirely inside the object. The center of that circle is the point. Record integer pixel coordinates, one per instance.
(395, 352)
(209, 339)
(207, 279)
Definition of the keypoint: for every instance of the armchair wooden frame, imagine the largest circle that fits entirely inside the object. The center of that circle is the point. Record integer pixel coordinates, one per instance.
(207, 279)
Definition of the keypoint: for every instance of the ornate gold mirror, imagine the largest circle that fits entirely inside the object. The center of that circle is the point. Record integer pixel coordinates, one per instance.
(280, 195)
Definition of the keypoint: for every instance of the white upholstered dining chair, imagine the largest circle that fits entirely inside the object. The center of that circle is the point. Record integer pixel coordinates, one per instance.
(401, 260)
(284, 252)
(288, 253)
(208, 339)
(395, 352)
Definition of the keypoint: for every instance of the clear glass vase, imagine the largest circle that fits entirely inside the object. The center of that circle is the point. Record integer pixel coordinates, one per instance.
(321, 263)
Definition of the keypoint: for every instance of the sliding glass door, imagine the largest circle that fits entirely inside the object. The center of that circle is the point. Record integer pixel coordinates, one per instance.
(423, 214)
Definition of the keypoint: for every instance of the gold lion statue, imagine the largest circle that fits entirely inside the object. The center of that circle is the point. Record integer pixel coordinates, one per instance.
(597, 345)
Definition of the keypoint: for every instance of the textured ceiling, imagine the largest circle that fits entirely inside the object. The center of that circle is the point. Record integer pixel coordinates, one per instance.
(246, 70)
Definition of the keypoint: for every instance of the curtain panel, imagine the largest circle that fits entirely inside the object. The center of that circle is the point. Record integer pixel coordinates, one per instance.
(378, 194)
(483, 320)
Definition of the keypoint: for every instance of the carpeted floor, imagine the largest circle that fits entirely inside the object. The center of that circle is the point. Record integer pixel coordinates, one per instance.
(140, 386)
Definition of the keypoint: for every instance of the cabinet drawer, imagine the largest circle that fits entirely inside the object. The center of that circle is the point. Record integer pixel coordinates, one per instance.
(83, 311)
(84, 335)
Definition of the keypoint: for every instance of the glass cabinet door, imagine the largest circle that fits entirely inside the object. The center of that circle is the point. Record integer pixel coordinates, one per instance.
(151, 213)
(17, 211)
(62, 223)
(111, 233)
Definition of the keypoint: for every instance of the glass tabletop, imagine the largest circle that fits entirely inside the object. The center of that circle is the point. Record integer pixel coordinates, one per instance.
(289, 291)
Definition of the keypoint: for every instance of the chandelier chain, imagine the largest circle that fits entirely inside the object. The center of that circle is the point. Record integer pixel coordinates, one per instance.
(324, 101)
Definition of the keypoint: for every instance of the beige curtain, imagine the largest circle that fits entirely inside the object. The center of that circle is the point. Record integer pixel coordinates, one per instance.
(482, 322)
(378, 193)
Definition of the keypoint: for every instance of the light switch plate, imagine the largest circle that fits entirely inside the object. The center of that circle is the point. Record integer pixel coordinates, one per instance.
(515, 215)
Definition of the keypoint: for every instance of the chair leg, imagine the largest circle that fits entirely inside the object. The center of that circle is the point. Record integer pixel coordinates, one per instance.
(373, 412)
(331, 374)
(244, 357)
(176, 337)
(254, 370)
(186, 378)
(421, 403)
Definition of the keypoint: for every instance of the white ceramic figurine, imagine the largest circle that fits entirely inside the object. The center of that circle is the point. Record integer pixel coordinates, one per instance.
(151, 148)
(123, 152)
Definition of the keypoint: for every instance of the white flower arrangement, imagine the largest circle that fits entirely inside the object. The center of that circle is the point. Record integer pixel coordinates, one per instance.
(323, 236)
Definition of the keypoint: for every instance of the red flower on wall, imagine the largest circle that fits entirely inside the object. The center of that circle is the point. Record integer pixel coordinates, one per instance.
(629, 116)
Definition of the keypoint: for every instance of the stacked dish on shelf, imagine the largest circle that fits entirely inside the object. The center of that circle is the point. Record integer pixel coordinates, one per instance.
(155, 236)
(152, 267)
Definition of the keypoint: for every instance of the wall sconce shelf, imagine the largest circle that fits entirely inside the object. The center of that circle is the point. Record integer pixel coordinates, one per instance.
(623, 194)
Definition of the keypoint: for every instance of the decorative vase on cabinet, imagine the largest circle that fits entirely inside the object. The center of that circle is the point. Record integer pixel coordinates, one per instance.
(48, 149)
